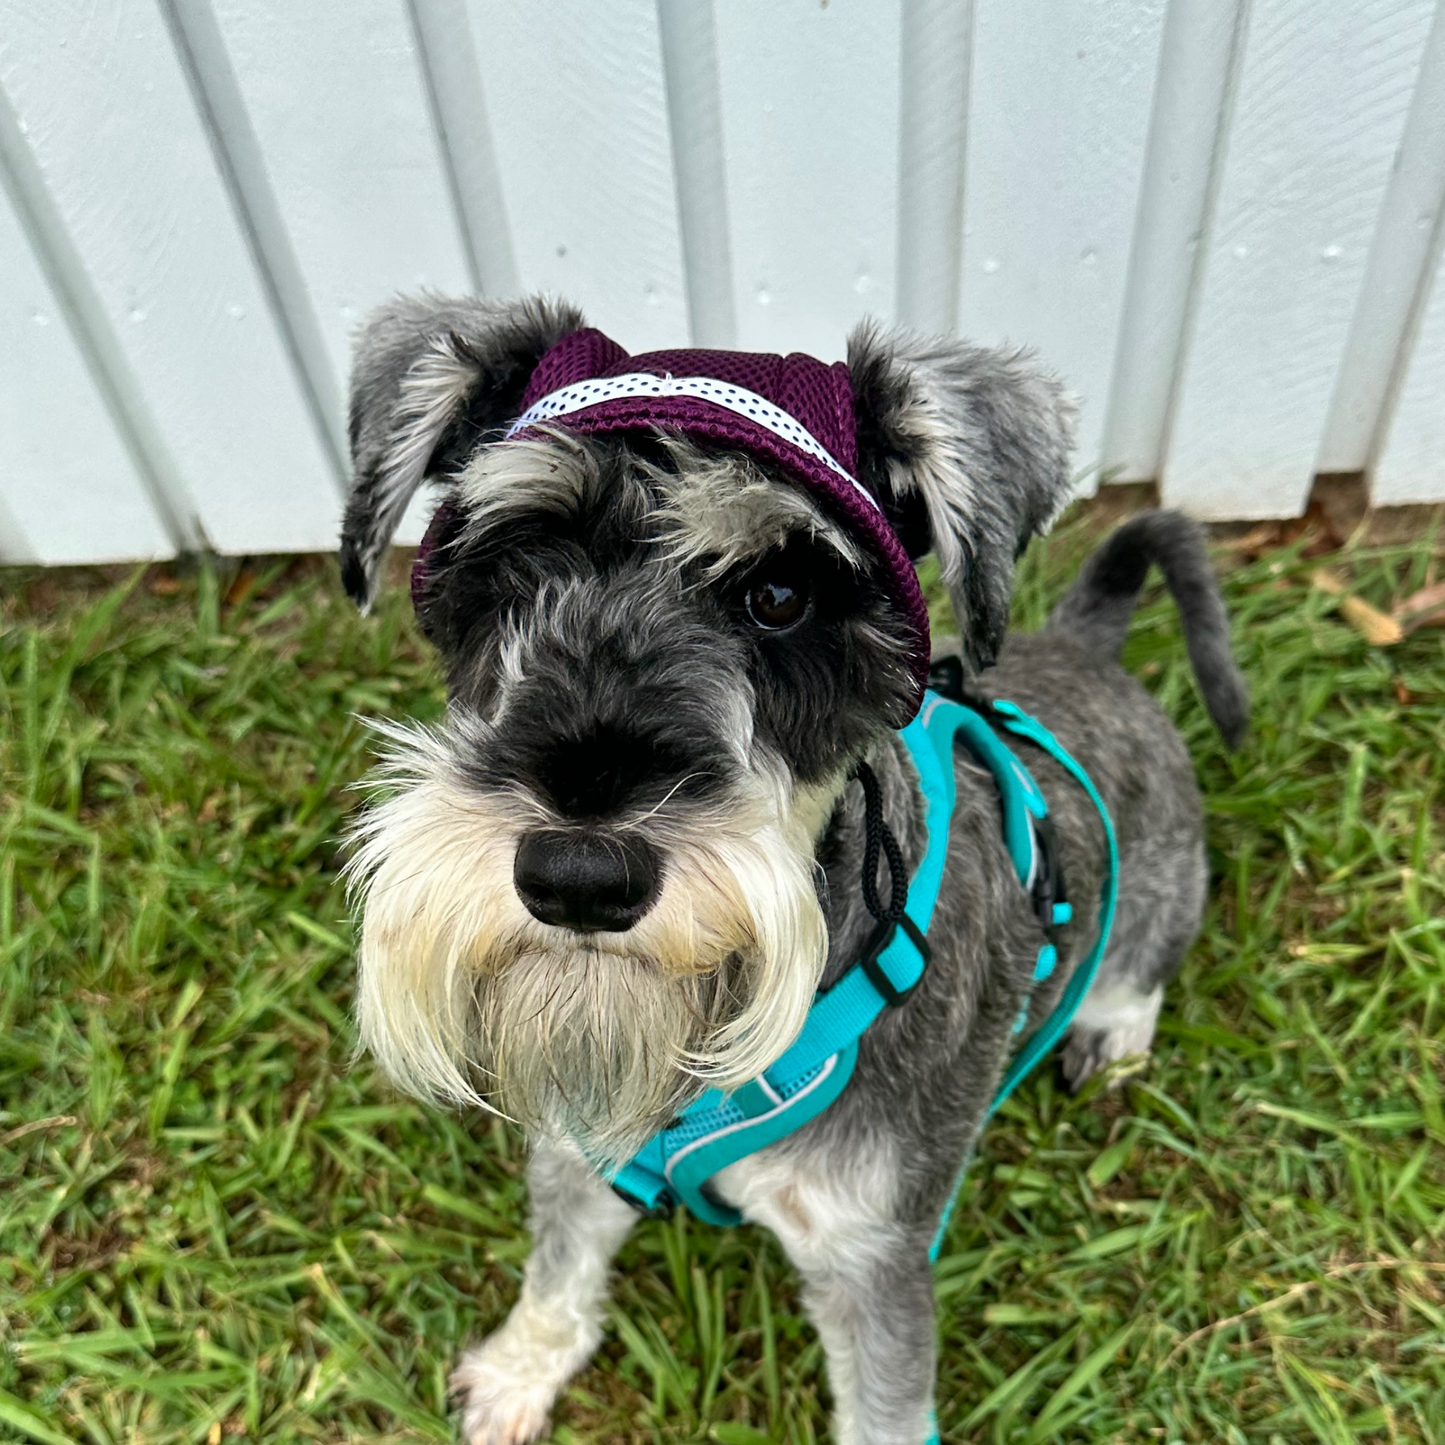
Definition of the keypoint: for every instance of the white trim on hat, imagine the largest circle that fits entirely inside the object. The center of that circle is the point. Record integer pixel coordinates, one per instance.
(738, 399)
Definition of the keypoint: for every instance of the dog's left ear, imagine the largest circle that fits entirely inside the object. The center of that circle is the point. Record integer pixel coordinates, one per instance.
(967, 448)
(432, 378)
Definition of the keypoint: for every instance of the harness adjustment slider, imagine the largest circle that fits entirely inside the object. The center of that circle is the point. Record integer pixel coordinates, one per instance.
(878, 975)
(1047, 893)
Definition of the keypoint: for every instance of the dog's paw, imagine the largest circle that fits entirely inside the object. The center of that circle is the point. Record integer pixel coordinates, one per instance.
(1118, 1025)
(508, 1383)
(1090, 1052)
(499, 1407)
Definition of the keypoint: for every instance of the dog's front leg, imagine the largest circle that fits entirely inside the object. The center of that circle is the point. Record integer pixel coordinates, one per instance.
(508, 1383)
(867, 1282)
(876, 1320)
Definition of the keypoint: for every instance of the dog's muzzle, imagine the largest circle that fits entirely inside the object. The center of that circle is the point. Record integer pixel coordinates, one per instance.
(585, 881)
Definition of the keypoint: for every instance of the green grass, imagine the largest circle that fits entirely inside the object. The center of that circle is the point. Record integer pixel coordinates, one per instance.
(213, 1227)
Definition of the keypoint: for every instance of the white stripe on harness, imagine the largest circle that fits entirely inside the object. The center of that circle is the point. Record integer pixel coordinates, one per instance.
(738, 399)
(781, 1103)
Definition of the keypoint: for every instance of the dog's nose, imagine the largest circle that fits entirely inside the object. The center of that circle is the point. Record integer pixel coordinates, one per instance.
(585, 881)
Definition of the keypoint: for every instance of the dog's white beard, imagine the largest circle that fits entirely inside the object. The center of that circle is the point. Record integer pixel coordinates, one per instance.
(463, 996)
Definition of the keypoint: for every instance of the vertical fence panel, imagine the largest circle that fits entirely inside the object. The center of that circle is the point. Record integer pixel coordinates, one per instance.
(1187, 126)
(579, 119)
(810, 119)
(120, 149)
(1396, 274)
(336, 99)
(66, 482)
(1217, 219)
(1322, 99)
(448, 57)
(1058, 121)
(934, 75)
(694, 104)
(1412, 462)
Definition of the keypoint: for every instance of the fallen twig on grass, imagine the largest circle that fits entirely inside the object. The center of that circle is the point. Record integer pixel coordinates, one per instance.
(59, 1121)
(1294, 1292)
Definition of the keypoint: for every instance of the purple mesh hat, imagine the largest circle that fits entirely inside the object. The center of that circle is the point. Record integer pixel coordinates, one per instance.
(792, 411)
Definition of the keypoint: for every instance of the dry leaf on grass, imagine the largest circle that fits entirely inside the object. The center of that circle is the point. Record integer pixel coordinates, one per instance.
(1425, 608)
(1317, 528)
(163, 584)
(1378, 628)
(240, 588)
(1257, 540)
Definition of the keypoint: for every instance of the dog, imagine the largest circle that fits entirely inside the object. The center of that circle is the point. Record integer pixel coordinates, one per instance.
(628, 862)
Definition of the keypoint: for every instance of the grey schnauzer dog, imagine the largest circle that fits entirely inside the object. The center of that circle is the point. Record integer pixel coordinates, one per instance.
(624, 866)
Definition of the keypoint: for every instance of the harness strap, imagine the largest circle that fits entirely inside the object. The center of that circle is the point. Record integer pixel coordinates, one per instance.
(719, 1129)
(1048, 1033)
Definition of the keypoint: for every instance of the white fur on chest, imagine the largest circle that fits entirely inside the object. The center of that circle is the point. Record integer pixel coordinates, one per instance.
(822, 1208)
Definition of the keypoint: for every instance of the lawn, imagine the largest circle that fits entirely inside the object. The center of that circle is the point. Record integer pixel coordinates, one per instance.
(214, 1225)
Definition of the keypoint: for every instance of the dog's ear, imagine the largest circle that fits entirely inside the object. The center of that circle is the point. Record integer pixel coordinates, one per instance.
(968, 450)
(432, 377)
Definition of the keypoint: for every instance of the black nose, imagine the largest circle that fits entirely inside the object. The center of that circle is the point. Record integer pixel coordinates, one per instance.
(585, 881)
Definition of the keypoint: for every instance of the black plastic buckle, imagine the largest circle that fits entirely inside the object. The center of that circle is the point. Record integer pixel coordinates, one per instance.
(882, 937)
(1048, 884)
(665, 1207)
(946, 677)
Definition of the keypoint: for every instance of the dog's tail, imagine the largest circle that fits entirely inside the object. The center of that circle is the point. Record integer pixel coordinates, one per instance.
(1097, 608)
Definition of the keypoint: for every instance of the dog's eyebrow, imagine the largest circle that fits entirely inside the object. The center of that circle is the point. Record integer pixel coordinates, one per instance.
(716, 510)
(724, 510)
(543, 474)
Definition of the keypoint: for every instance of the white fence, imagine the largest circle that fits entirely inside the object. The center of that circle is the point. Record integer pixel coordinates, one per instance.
(1220, 219)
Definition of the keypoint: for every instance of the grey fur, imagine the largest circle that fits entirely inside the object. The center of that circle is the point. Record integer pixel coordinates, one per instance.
(636, 699)
(969, 448)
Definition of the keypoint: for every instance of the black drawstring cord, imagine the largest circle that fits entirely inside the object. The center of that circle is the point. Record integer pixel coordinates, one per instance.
(878, 836)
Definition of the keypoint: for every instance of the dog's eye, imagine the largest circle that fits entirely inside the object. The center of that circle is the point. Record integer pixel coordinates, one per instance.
(774, 604)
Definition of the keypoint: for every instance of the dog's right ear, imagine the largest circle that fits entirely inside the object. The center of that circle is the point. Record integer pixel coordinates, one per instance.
(432, 377)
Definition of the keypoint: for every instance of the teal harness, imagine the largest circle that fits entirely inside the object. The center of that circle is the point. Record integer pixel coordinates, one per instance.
(719, 1129)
